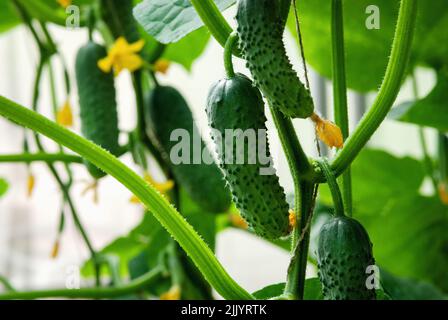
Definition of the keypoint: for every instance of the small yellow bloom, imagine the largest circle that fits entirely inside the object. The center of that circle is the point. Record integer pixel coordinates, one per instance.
(162, 66)
(64, 116)
(172, 294)
(237, 221)
(30, 184)
(443, 193)
(64, 3)
(122, 55)
(292, 219)
(328, 132)
(91, 186)
(55, 250)
(162, 187)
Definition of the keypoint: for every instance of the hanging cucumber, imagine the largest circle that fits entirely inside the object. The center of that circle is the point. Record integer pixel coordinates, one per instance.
(234, 103)
(118, 16)
(260, 30)
(344, 252)
(96, 90)
(167, 111)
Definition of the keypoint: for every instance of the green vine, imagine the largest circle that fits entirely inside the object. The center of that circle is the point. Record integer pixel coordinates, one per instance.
(175, 224)
(40, 157)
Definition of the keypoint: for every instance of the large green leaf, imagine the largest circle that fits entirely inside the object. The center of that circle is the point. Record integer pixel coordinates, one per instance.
(8, 16)
(169, 21)
(408, 230)
(313, 290)
(367, 50)
(407, 289)
(431, 111)
(3, 187)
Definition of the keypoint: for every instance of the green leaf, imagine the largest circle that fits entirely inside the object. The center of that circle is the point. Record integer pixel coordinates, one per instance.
(407, 289)
(313, 290)
(8, 16)
(3, 187)
(187, 50)
(270, 291)
(431, 111)
(169, 21)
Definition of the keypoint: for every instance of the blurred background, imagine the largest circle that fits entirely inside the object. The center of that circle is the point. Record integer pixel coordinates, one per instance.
(28, 226)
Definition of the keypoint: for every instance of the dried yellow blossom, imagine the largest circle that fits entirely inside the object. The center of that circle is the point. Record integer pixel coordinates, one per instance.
(31, 181)
(237, 221)
(173, 294)
(64, 117)
(328, 132)
(122, 55)
(55, 250)
(162, 66)
(443, 193)
(292, 219)
(64, 3)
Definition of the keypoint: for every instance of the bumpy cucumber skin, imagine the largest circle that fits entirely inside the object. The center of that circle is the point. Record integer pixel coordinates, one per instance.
(96, 90)
(236, 104)
(260, 30)
(344, 253)
(166, 111)
(118, 16)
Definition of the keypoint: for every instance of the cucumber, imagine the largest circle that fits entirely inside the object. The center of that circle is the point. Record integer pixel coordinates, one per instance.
(234, 103)
(166, 111)
(260, 30)
(344, 253)
(98, 107)
(118, 16)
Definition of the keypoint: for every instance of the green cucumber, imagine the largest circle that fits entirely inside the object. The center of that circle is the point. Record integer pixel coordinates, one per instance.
(260, 30)
(234, 103)
(344, 253)
(167, 111)
(98, 107)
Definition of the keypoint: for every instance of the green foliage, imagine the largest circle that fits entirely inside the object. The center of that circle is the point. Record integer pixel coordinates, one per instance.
(96, 90)
(170, 21)
(236, 104)
(8, 16)
(260, 30)
(408, 230)
(166, 111)
(3, 186)
(430, 111)
(313, 290)
(344, 254)
(118, 16)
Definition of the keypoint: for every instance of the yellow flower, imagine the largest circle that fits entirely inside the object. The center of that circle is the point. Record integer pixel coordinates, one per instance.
(172, 294)
(55, 250)
(64, 115)
(64, 3)
(162, 187)
(162, 66)
(30, 184)
(292, 219)
(121, 56)
(237, 221)
(443, 193)
(328, 132)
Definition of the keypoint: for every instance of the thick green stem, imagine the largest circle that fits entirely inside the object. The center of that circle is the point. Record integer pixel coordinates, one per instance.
(340, 91)
(172, 220)
(214, 21)
(395, 74)
(89, 293)
(41, 157)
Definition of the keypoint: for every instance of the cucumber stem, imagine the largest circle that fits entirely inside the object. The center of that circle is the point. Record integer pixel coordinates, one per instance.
(228, 48)
(340, 91)
(333, 185)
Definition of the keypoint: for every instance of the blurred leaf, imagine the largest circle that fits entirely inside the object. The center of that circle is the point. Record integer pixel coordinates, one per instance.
(431, 111)
(187, 50)
(408, 230)
(3, 186)
(270, 291)
(8, 16)
(313, 289)
(170, 21)
(373, 45)
(407, 289)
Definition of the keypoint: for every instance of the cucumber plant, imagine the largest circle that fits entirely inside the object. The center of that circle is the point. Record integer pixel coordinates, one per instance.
(239, 105)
